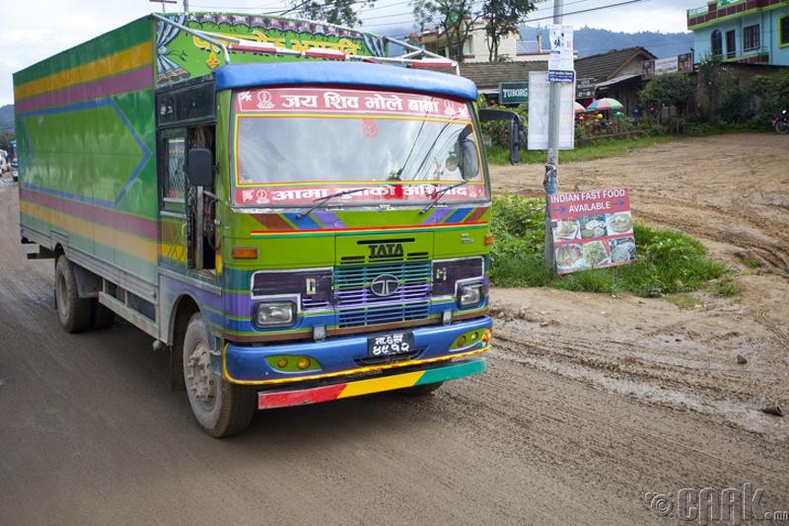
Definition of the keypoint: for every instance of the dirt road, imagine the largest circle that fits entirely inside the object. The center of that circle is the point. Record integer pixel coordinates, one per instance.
(595, 410)
(732, 193)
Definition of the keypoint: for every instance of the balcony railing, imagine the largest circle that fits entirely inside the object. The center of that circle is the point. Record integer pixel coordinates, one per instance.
(725, 8)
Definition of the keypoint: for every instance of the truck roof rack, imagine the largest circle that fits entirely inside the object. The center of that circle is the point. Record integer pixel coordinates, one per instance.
(415, 57)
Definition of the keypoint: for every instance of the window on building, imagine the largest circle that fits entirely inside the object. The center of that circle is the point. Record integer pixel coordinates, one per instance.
(716, 43)
(731, 44)
(751, 38)
(468, 47)
(783, 26)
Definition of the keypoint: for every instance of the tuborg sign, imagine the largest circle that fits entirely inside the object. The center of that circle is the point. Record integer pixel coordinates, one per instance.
(514, 93)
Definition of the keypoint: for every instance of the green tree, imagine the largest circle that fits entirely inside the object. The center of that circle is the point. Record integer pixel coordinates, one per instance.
(340, 12)
(454, 17)
(5, 141)
(675, 90)
(502, 18)
(456, 20)
(773, 91)
(711, 76)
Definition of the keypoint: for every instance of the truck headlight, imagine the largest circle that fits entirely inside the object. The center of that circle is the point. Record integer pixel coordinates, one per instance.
(469, 295)
(271, 314)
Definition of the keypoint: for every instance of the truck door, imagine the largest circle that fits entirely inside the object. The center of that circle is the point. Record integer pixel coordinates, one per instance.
(186, 119)
(203, 242)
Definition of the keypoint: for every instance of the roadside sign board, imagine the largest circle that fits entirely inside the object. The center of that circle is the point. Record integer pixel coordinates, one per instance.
(561, 66)
(539, 113)
(592, 229)
(584, 88)
(513, 93)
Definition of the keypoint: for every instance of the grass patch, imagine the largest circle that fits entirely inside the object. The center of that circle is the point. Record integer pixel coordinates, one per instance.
(667, 262)
(685, 301)
(726, 288)
(752, 263)
(585, 152)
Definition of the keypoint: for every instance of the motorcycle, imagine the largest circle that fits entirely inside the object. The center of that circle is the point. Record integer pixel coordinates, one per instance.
(781, 123)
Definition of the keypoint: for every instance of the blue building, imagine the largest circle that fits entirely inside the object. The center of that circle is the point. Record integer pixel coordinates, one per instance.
(742, 31)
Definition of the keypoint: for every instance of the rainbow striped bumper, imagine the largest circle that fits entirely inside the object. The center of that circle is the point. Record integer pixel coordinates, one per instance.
(275, 399)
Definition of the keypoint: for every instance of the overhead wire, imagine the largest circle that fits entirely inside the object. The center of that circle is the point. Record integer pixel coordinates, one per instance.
(576, 7)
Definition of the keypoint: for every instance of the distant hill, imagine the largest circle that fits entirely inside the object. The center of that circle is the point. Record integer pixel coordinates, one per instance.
(7, 118)
(589, 41)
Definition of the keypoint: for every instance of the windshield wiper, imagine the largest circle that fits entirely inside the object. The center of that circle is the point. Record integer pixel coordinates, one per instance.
(323, 200)
(438, 194)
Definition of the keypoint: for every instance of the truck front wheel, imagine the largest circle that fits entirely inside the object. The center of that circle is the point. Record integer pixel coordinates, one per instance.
(74, 312)
(221, 408)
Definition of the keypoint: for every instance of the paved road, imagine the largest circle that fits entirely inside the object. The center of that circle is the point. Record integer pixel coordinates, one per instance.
(90, 434)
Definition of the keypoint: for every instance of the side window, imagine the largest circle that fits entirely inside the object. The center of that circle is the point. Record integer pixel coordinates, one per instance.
(175, 166)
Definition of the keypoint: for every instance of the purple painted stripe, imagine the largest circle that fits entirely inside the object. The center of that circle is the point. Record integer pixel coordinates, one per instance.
(438, 216)
(329, 219)
(106, 87)
(146, 228)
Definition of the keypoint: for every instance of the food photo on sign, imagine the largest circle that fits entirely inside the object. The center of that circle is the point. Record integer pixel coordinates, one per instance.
(592, 229)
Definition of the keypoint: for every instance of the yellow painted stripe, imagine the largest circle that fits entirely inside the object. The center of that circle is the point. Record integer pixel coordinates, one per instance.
(145, 249)
(173, 252)
(376, 385)
(120, 62)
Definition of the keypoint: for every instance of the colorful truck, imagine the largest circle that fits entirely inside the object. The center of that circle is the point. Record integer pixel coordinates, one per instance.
(295, 214)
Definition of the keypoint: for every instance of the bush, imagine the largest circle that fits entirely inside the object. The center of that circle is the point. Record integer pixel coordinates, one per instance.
(667, 261)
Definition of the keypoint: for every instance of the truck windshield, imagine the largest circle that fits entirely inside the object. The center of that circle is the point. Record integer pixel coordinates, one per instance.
(294, 146)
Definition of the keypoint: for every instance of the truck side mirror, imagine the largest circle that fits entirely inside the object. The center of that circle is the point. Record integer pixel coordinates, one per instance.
(200, 167)
(515, 127)
(515, 140)
(469, 163)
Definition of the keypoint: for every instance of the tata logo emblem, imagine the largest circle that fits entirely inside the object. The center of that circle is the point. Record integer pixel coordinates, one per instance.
(384, 285)
(386, 250)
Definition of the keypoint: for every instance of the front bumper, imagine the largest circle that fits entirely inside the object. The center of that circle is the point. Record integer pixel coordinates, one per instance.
(341, 357)
(325, 393)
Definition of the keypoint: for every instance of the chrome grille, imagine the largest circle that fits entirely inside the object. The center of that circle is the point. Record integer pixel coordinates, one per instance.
(358, 306)
(373, 315)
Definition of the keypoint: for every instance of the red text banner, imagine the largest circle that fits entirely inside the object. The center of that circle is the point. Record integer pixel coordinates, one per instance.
(301, 100)
(304, 195)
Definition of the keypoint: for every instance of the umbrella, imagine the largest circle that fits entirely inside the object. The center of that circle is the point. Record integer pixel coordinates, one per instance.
(604, 104)
(579, 108)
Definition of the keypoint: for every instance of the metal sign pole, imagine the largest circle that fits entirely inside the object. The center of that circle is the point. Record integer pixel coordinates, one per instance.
(551, 180)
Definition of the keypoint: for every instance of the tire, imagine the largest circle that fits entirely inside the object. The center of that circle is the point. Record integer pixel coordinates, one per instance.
(222, 409)
(420, 390)
(74, 312)
(782, 127)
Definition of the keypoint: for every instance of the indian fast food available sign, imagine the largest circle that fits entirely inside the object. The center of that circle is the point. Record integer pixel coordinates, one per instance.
(592, 229)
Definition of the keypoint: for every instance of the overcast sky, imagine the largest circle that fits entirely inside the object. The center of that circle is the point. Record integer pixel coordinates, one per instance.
(31, 30)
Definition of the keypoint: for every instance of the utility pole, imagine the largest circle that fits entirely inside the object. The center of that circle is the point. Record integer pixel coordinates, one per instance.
(551, 180)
